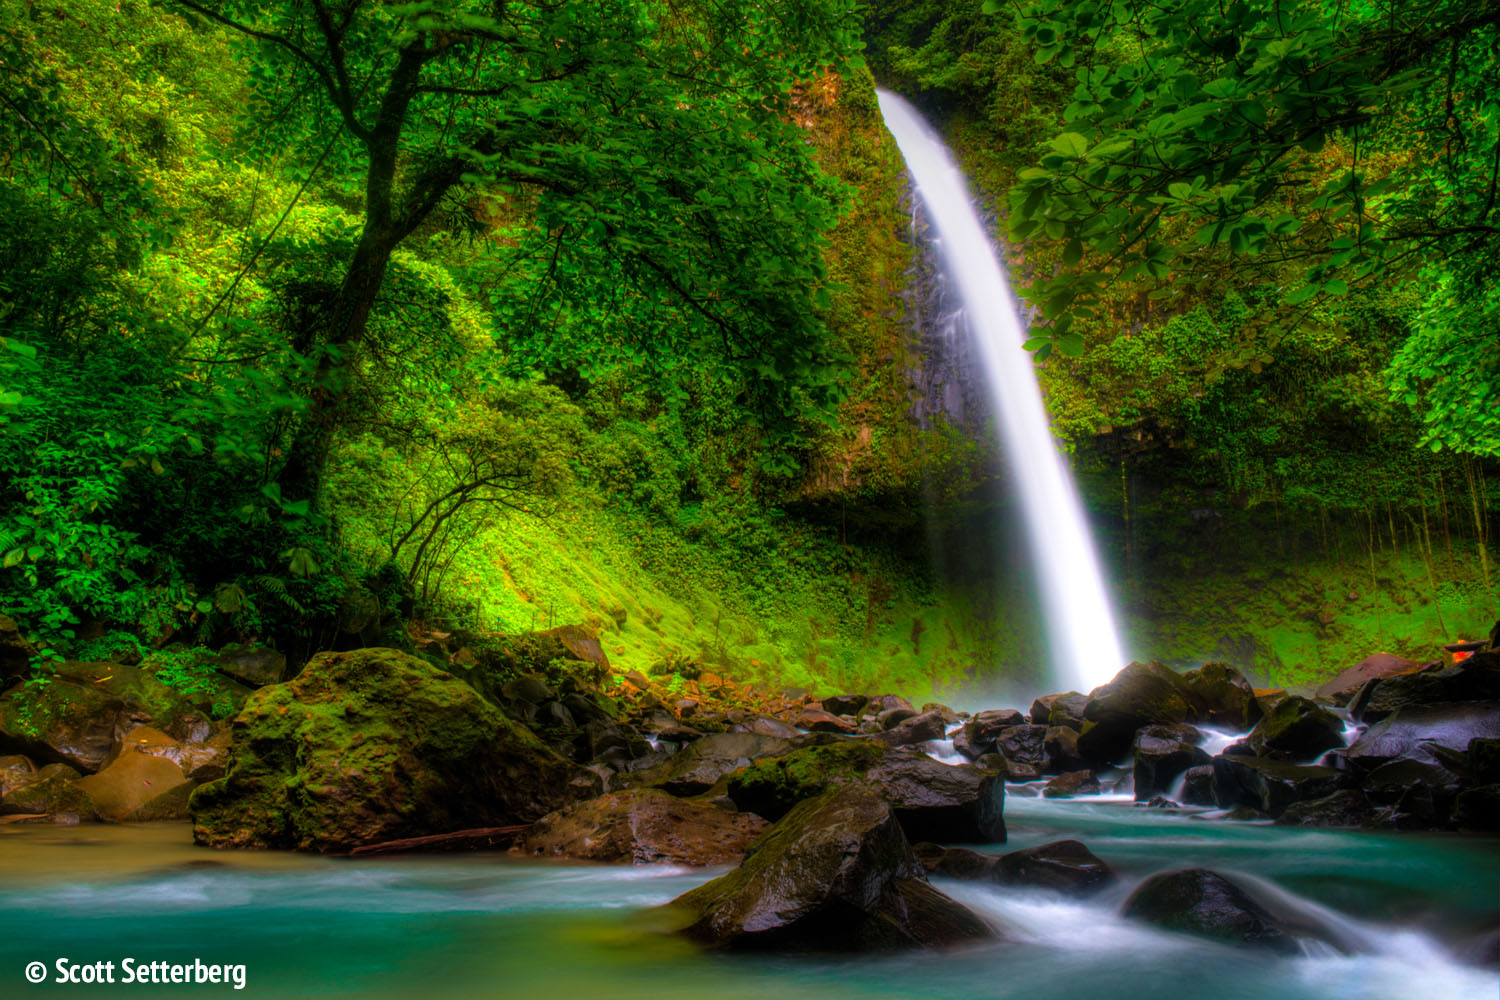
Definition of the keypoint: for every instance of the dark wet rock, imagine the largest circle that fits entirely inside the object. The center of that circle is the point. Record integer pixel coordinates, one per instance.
(16, 653)
(586, 709)
(834, 874)
(1413, 732)
(1205, 903)
(1162, 753)
(949, 716)
(1072, 783)
(886, 702)
(1389, 783)
(1477, 808)
(1222, 697)
(893, 717)
(1023, 744)
(1198, 786)
(527, 689)
(1064, 865)
(1296, 728)
(644, 826)
(845, 704)
(1346, 808)
(1269, 786)
(1061, 745)
(1041, 708)
(818, 721)
(51, 790)
(371, 746)
(1068, 710)
(253, 666)
(764, 725)
(700, 765)
(917, 729)
(977, 736)
(1474, 679)
(934, 801)
(1015, 770)
(15, 771)
(1342, 688)
(956, 862)
(1142, 694)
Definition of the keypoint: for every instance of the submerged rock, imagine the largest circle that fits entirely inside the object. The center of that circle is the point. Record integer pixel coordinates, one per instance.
(1072, 783)
(834, 874)
(956, 862)
(371, 746)
(644, 826)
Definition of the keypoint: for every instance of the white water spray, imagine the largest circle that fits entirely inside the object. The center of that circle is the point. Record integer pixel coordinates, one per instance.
(1085, 646)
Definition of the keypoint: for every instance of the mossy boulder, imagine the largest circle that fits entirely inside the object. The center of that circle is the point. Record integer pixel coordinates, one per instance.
(1296, 728)
(835, 874)
(699, 766)
(62, 720)
(53, 790)
(376, 745)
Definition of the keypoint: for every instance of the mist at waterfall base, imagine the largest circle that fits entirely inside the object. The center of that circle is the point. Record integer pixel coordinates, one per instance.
(1085, 648)
(496, 927)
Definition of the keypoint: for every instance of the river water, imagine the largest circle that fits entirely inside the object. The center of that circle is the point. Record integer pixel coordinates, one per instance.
(493, 926)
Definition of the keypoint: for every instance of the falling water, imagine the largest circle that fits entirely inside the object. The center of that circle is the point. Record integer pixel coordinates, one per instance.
(1085, 647)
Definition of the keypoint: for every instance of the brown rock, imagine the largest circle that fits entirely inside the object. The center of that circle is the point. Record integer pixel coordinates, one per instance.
(1346, 685)
(645, 826)
(128, 790)
(51, 791)
(15, 771)
(1064, 865)
(817, 720)
(1073, 783)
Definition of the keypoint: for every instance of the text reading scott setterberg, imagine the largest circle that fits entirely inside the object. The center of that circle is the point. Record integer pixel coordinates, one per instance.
(130, 970)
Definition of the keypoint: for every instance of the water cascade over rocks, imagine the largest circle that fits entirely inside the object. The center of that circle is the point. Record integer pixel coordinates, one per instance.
(1085, 646)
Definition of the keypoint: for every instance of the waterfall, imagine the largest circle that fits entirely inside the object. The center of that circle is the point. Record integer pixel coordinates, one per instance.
(1085, 646)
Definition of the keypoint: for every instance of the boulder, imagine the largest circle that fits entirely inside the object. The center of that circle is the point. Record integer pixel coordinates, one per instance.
(916, 729)
(583, 644)
(933, 801)
(886, 702)
(1064, 865)
(1413, 732)
(15, 771)
(1222, 697)
(1296, 728)
(644, 826)
(61, 721)
(253, 666)
(137, 787)
(1041, 708)
(1070, 784)
(1161, 754)
(1347, 683)
(1205, 903)
(764, 725)
(700, 765)
(1142, 694)
(1023, 745)
(1346, 808)
(817, 720)
(956, 862)
(834, 874)
(893, 717)
(16, 653)
(51, 791)
(1198, 786)
(1474, 679)
(371, 746)
(200, 761)
(845, 704)
(977, 736)
(1061, 744)
(1269, 786)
